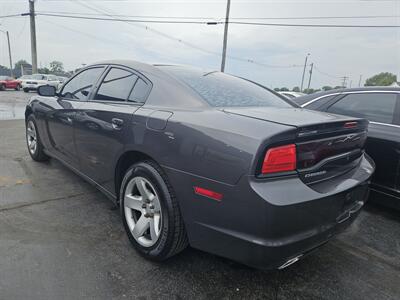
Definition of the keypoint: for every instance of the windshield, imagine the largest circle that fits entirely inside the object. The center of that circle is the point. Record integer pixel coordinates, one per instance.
(25, 77)
(223, 90)
(3, 77)
(38, 77)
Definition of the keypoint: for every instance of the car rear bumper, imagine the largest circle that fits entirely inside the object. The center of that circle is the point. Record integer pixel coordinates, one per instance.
(266, 223)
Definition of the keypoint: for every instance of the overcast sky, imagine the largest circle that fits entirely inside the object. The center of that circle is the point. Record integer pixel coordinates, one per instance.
(334, 51)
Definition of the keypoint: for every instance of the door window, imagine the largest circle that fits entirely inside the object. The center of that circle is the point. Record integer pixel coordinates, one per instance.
(139, 92)
(377, 107)
(116, 86)
(79, 87)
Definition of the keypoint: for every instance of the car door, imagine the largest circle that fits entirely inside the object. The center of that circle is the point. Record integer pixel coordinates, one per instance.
(383, 134)
(61, 111)
(104, 123)
(10, 83)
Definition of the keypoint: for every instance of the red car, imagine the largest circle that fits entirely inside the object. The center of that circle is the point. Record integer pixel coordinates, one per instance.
(7, 82)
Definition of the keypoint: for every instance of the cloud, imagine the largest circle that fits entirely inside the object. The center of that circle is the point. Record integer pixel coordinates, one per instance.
(338, 52)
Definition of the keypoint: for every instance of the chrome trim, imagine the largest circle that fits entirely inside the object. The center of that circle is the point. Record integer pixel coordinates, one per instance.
(385, 124)
(345, 93)
(290, 262)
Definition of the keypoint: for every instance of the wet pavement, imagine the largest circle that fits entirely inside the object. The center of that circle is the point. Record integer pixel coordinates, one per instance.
(62, 239)
(12, 104)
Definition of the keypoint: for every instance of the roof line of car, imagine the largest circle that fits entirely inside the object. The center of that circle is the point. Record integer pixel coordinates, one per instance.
(348, 92)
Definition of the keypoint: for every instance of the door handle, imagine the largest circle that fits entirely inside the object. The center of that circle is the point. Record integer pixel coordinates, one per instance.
(117, 123)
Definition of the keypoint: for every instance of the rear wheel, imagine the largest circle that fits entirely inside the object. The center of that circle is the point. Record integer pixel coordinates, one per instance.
(150, 212)
(26, 90)
(18, 87)
(33, 142)
(2, 87)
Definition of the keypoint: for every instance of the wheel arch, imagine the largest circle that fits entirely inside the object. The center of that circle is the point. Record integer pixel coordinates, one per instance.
(28, 111)
(125, 161)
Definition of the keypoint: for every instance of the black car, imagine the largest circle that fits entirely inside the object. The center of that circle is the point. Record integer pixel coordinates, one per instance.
(381, 106)
(206, 159)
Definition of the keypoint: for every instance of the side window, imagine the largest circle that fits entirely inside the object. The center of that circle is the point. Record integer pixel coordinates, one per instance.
(139, 92)
(377, 107)
(319, 103)
(116, 86)
(79, 87)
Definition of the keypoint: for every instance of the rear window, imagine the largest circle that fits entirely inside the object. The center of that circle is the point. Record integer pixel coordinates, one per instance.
(222, 90)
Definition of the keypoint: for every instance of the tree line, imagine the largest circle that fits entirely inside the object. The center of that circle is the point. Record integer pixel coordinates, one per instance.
(381, 79)
(55, 67)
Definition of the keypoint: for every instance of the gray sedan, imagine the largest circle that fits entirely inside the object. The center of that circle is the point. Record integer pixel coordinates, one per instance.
(205, 159)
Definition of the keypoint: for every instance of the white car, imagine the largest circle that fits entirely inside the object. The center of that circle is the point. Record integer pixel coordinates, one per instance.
(291, 95)
(24, 79)
(37, 80)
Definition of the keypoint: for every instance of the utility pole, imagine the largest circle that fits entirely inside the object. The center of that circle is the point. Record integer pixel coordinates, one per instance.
(309, 79)
(9, 54)
(344, 81)
(359, 82)
(33, 35)
(304, 71)
(228, 5)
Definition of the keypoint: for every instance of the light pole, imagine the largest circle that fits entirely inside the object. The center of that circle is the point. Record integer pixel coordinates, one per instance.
(9, 52)
(228, 5)
(304, 71)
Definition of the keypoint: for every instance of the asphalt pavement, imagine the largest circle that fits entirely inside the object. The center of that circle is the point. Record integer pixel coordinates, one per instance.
(62, 239)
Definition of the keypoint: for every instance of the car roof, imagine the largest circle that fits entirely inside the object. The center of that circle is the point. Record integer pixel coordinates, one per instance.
(304, 99)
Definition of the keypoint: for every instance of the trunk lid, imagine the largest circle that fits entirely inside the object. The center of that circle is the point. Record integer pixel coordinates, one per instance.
(327, 145)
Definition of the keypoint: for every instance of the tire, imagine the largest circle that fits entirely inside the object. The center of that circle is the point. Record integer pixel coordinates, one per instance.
(18, 87)
(171, 238)
(26, 90)
(2, 87)
(35, 146)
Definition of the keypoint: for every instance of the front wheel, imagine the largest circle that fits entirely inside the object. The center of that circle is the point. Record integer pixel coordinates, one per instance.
(2, 87)
(18, 87)
(150, 212)
(33, 142)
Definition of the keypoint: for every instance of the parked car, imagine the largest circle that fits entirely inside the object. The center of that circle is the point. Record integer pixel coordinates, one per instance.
(7, 82)
(206, 159)
(291, 95)
(381, 106)
(24, 79)
(62, 80)
(38, 80)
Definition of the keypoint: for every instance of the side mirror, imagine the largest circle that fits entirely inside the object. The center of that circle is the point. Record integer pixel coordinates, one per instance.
(46, 90)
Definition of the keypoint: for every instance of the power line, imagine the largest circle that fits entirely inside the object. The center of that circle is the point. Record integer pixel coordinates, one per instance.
(221, 18)
(219, 22)
(10, 16)
(190, 45)
(315, 25)
(326, 74)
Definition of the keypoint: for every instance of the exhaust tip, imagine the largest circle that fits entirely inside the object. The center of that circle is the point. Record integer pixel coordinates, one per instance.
(290, 262)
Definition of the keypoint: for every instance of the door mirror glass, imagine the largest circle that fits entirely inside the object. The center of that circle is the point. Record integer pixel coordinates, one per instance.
(47, 90)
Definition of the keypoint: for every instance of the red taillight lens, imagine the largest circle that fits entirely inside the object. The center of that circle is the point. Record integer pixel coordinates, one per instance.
(349, 125)
(280, 159)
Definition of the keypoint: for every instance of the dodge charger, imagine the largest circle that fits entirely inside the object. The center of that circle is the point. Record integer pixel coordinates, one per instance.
(205, 159)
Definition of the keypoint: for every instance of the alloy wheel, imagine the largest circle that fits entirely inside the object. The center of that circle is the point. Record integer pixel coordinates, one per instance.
(31, 137)
(143, 211)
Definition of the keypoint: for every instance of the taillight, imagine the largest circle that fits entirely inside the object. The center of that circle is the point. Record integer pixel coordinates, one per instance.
(280, 159)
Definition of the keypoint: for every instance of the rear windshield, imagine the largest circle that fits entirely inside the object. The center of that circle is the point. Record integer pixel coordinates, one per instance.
(222, 90)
